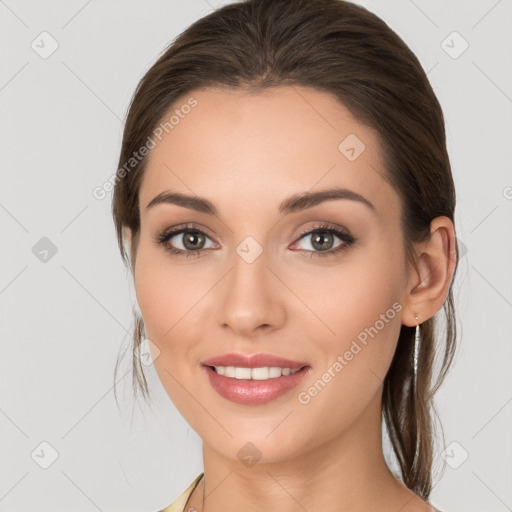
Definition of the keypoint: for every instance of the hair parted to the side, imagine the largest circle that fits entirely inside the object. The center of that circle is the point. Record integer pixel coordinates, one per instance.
(343, 49)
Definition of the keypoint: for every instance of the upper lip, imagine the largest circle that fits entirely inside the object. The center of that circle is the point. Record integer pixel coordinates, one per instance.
(253, 361)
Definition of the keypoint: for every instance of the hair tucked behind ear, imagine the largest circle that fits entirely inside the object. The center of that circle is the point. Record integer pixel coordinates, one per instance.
(344, 50)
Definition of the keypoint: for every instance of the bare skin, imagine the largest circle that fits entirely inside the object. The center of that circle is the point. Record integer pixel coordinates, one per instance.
(247, 153)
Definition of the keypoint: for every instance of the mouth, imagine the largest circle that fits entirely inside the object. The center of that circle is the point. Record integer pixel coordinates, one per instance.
(253, 380)
(260, 373)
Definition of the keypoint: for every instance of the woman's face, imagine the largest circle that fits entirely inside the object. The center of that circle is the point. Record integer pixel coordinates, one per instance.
(328, 301)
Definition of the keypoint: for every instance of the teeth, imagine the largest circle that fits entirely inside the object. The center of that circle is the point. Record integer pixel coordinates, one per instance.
(263, 373)
(242, 373)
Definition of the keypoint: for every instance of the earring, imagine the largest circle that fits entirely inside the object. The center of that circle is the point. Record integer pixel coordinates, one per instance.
(416, 350)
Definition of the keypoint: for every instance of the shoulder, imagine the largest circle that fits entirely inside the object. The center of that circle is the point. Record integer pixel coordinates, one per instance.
(179, 504)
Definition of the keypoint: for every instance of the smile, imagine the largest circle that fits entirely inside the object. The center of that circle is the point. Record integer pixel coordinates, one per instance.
(253, 379)
(262, 373)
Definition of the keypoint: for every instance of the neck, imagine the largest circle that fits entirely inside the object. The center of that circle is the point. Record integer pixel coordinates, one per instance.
(348, 472)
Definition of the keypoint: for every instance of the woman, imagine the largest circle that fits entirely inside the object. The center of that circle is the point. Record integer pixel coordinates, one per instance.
(285, 202)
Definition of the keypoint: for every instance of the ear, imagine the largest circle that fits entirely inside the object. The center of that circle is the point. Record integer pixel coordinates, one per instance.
(127, 234)
(428, 285)
(130, 241)
(127, 243)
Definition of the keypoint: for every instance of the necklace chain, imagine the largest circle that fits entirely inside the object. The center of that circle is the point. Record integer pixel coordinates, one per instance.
(204, 492)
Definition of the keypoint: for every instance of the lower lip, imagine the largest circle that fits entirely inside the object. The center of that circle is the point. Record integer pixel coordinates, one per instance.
(253, 392)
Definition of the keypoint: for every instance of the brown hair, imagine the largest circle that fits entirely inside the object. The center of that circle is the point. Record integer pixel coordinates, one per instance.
(342, 49)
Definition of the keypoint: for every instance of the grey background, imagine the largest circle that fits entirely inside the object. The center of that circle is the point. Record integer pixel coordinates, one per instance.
(65, 317)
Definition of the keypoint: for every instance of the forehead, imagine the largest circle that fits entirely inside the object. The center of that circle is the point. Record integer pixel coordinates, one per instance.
(286, 140)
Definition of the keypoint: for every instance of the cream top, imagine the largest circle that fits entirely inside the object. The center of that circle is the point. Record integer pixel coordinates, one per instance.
(179, 504)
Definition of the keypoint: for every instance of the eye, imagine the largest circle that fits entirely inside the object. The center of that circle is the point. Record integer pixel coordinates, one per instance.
(322, 240)
(189, 240)
(184, 241)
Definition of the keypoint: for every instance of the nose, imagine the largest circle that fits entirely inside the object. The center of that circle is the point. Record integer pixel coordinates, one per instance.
(251, 298)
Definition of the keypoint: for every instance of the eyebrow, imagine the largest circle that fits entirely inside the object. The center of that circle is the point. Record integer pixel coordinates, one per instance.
(293, 204)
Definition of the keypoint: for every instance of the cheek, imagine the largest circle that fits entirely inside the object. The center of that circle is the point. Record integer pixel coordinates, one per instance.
(156, 285)
(166, 304)
(152, 287)
(363, 312)
(361, 300)
(352, 295)
(359, 306)
(171, 297)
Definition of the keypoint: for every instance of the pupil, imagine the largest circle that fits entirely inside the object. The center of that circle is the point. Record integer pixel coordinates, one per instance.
(317, 239)
(193, 237)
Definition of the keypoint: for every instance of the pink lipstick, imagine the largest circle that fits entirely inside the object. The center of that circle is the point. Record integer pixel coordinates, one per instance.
(255, 379)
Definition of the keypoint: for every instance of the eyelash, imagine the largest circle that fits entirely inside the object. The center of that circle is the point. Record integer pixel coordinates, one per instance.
(348, 240)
